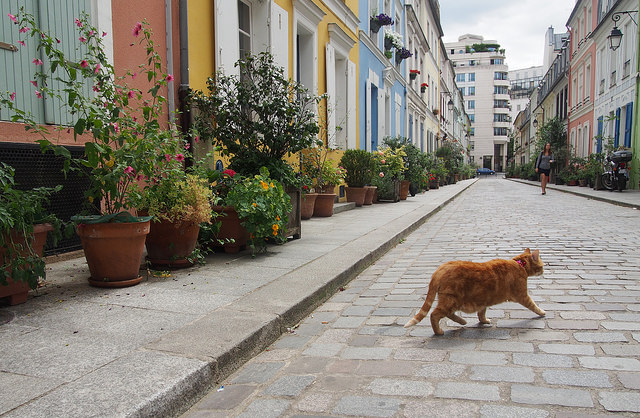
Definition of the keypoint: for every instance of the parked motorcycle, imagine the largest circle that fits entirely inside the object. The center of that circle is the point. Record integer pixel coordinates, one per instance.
(616, 172)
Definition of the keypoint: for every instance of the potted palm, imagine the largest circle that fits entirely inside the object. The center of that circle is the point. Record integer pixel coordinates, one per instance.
(24, 225)
(359, 166)
(122, 136)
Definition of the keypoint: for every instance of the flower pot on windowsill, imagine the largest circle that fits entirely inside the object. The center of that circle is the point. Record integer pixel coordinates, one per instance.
(412, 76)
(388, 44)
(423, 89)
(374, 25)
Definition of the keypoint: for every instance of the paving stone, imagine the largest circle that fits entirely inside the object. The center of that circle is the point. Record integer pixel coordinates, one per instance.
(531, 394)
(620, 401)
(383, 330)
(366, 353)
(451, 344)
(620, 325)
(468, 391)
(520, 323)
(349, 322)
(507, 346)
(542, 360)
(599, 337)
(387, 368)
(291, 341)
(604, 307)
(503, 411)
(400, 387)
(265, 408)
(484, 333)
(567, 349)
(534, 335)
(257, 372)
(629, 380)
(323, 349)
(566, 324)
(621, 350)
(394, 311)
(584, 378)
(306, 365)
(478, 357)
(440, 408)
(419, 354)
(610, 363)
(357, 311)
(367, 406)
(316, 402)
(582, 315)
(289, 385)
(364, 341)
(502, 374)
(530, 315)
(625, 317)
(229, 398)
(332, 335)
(339, 384)
(441, 371)
(364, 301)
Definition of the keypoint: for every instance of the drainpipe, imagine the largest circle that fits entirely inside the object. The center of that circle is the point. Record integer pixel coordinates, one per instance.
(634, 176)
(183, 89)
(169, 37)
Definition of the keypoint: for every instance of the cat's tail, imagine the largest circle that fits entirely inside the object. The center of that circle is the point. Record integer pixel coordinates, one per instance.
(431, 296)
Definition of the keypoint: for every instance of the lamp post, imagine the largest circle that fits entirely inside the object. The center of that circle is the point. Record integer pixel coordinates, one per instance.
(615, 37)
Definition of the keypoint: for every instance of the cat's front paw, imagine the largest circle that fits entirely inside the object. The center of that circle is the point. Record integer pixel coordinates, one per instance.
(541, 313)
(485, 321)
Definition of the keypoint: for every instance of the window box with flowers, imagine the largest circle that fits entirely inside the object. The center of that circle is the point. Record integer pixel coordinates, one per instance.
(392, 39)
(413, 74)
(377, 21)
(123, 139)
(423, 87)
(402, 54)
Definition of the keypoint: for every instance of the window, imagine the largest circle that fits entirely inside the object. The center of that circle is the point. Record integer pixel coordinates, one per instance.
(497, 61)
(472, 91)
(500, 131)
(500, 75)
(472, 132)
(472, 63)
(502, 104)
(471, 104)
(501, 90)
(244, 28)
(501, 117)
(472, 117)
(472, 76)
(460, 78)
(462, 90)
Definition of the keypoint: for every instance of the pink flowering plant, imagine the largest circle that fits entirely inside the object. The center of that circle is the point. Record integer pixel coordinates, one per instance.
(127, 148)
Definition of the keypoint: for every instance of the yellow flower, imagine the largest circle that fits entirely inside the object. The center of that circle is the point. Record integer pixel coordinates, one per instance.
(264, 185)
(254, 204)
(272, 186)
(110, 162)
(90, 199)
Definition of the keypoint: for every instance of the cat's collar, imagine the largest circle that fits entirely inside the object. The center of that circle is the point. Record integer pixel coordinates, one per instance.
(521, 262)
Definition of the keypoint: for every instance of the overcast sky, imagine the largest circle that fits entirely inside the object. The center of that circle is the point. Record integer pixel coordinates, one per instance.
(518, 26)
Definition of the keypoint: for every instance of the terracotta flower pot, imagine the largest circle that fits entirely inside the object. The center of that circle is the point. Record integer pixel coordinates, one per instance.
(369, 195)
(231, 229)
(356, 194)
(114, 251)
(404, 189)
(324, 205)
(308, 203)
(17, 291)
(170, 243)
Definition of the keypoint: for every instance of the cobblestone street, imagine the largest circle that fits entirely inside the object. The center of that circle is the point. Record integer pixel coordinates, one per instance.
(352, 357)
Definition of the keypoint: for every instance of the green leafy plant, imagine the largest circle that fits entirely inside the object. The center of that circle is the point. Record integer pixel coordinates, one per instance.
(316, 165)
(262, 206)
(359, 165)
(20, 210)
(390, 162)
(120, 125)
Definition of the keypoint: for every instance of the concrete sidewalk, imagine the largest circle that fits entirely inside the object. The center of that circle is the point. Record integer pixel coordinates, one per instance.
(155, 348)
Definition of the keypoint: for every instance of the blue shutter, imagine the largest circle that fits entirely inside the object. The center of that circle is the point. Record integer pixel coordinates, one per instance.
(600, 126)
(627, 125)
(616, 140)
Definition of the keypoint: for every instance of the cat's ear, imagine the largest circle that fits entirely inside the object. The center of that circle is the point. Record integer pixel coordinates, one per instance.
(527, 251)
(536, 255)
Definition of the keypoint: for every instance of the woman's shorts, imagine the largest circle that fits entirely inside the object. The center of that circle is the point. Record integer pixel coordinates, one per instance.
(543, 171)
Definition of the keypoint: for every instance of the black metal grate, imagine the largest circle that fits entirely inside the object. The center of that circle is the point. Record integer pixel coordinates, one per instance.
(36, 169)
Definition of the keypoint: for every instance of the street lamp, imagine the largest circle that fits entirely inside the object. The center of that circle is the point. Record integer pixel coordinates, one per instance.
(615, 37)
(450, 104)
(535, 123)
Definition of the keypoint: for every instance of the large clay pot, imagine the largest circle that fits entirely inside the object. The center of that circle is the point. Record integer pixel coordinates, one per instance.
(370, 194)
(170, 243)
(308, 203)
(17, 292)
(114, 251)
(231, 229)
(404, 189)
(324, 204)
(356, 194)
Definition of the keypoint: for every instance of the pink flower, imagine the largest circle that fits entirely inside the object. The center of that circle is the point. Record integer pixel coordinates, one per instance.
(129, 170)
(78, 22)
(12, 17)
(58, 40)
(134, 75)
(21, 43)
(13, 96)
(169, 78)
(104, 34)
(37, 61)
(116, 127)
(130, 94)
(229, 172)
(38, 94)
(383, 161)
(82, 39)
(381, 174)
(167, 157)
(179, 157)
(187, 146)
(35, 83)
(136, 29)
(91, 33)
(23, 30)
(197, 138)
(84, 64)
(96, 89)
(97, 70)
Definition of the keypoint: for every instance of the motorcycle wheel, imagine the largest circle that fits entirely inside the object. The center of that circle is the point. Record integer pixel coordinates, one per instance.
(607, 181)
(622, 183)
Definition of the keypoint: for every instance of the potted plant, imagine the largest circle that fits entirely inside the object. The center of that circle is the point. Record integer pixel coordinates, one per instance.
(392, 40)
(359, 166)
(24, 224)
(308, 197)
(326, 176)
(423, 88)
(375, 22)
(122, 137)
(414, 165)
(389, 169)
(402, 54)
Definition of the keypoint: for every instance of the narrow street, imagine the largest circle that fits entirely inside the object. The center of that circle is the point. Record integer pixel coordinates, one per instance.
(352, 357)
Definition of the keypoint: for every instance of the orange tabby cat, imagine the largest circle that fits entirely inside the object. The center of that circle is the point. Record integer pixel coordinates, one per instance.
(472, 287)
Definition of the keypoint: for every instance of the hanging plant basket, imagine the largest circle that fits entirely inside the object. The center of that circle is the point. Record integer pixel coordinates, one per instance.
(374, 25)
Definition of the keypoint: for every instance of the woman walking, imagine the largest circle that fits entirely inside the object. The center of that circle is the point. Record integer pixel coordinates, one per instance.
(543, 166)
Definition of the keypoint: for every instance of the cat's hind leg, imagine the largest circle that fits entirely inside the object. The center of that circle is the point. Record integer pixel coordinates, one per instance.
(435, 318)
(482, 316)
(528, 303)
(456, 318)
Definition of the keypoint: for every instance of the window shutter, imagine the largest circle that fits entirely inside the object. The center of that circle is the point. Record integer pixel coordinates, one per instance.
(616, 141)
(330, 64)
(280, 37)
(227, 43)
(381, 116)
(352, 111)
(368, 116)
(628, 125)
(600, 126)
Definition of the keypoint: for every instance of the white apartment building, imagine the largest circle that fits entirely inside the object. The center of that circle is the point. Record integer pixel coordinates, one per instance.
(482, 76)
(521, 85)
